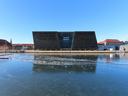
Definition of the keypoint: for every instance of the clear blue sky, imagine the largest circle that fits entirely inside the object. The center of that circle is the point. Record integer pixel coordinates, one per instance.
(18, 18)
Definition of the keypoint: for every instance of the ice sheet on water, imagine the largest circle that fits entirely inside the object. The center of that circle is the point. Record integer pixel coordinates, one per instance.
(23, 57)
(50, 60)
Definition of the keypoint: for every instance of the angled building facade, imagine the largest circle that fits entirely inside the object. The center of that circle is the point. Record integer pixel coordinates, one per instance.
(53, 40)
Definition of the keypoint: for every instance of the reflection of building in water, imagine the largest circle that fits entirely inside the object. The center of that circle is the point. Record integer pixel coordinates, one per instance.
(110, 57)
(65, 63)
(123, 55)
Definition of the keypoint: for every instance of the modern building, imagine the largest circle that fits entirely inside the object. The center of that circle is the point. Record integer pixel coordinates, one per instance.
(110, 44)
(124, 48)
(53, 40)
(5, 45)
(125, 42)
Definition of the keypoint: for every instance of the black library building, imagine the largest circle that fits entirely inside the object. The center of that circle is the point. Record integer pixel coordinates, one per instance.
(54, 40)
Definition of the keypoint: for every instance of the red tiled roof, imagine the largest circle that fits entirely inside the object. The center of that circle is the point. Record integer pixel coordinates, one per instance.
(100, 43)
(110, 41)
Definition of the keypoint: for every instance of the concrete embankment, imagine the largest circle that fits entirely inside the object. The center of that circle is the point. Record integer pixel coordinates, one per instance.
(72, 52)
(62, 52)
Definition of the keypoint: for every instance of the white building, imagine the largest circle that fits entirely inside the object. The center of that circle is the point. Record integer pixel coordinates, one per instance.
(124, 48)
(110, 44)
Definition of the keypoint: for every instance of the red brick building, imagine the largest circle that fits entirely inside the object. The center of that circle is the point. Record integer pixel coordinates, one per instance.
(5, 45)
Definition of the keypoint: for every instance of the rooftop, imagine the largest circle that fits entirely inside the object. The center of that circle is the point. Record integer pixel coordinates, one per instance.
(22, 44)
(110, 41)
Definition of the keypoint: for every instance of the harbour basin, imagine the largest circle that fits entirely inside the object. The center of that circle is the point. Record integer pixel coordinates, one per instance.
(44, 75)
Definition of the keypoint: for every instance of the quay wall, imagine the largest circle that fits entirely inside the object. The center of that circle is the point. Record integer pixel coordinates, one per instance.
(62, 52)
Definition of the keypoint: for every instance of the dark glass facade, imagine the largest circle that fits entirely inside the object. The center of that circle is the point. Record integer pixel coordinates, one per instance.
(53, 40)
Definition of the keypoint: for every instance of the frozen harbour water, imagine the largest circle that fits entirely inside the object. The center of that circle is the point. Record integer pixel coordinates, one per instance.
(39, 75)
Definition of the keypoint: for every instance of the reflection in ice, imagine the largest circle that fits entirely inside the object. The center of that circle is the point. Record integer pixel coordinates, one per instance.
(39, 75)
(65, 63)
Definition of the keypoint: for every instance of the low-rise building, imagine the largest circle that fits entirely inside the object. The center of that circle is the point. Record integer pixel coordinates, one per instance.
(110, 44)
(124, 48)
(125, 42)
(5, 45)
(23, 46)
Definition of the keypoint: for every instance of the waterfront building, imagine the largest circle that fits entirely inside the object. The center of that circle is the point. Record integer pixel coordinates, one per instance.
(23, 46)
(53, 40)
(5, 45)
(125, 42)
(110, 44)
(124, 48)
